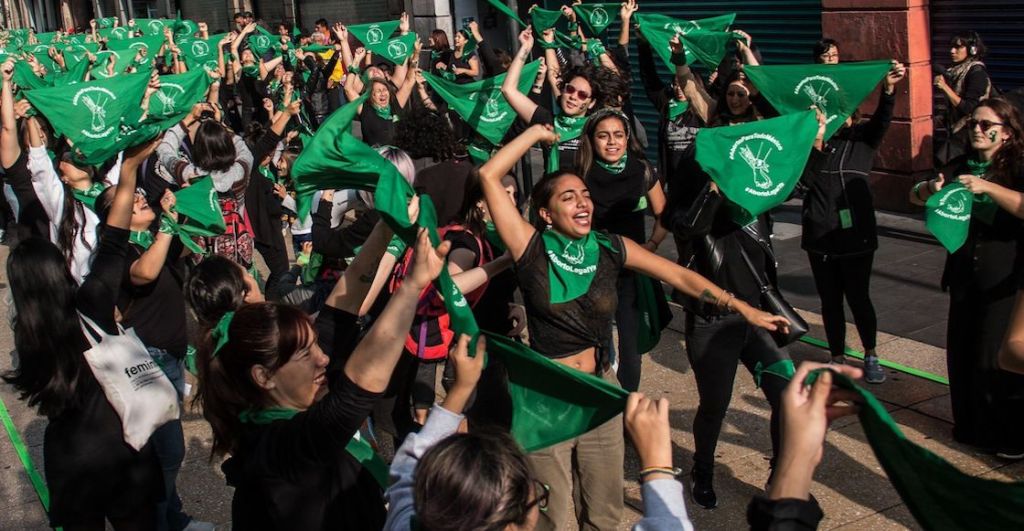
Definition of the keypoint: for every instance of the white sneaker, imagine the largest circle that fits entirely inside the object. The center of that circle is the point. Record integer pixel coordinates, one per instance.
(196, 525)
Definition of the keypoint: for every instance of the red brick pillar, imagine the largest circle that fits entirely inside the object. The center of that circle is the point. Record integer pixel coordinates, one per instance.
(875, 29)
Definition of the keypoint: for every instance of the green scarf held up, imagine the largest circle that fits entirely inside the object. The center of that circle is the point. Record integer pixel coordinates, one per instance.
(984, 208)
(947, 215)
(613, 168)
(500, 5)
(544, 19)
(676, 109)
(356, 447)
(595, 49)
(88, 196)
(396, 50)
(199, 205)
(572, 263)
(705, 40)
(374, 33)
(596, 17)
(143, 238)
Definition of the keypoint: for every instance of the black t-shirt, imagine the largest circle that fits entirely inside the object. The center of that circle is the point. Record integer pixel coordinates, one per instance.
(565, 329)
(566, 150)
(491, 309)
(376, 130)
(156, 310)
(618, 197)
(463, 62)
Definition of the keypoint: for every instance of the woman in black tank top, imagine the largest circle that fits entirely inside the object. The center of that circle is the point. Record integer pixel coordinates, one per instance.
(566, 273)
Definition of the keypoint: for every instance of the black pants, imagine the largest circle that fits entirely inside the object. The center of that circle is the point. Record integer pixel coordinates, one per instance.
(627, 323)
(846, 277)
(715, 346)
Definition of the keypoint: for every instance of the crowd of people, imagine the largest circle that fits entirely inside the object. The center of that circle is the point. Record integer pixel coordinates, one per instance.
(305, 356)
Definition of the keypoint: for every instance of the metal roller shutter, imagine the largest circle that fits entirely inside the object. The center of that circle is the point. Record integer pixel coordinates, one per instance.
(783, 30)
(215, 13)
(344, 11)
(269, 11)
(999, 22)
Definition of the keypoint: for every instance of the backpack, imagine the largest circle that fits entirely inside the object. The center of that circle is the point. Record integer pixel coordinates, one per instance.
(431, 335)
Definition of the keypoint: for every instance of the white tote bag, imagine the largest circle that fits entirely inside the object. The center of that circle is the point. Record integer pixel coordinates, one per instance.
(133, 383)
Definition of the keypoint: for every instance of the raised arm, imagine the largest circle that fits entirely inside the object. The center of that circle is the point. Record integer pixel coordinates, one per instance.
(700, 100)
(341, 32)
(626, 14)
(1011, 356)
(402, 96)
(523, 105)
(743, 46)
(10, 149)
(514, 231)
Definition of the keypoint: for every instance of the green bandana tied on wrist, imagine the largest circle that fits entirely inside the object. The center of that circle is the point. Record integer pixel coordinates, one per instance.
(676, 108)
(88, 196)
(572, 263)
(613, 168)
(356, 447)
(143, 238)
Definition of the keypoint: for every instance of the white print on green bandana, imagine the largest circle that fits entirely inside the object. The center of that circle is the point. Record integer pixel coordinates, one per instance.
(457, 298)
(212, 198)
(200, 48)
(574, 254)
(679, 28)
(598, 17)
(374, 35)
(211, 65)
(118, 32)
(92, 98)
(166, 95)
(755, 149)
(492, 106)
(953, 204)
(156, 26)
(818, 89)
(397, 48)
(263, 41)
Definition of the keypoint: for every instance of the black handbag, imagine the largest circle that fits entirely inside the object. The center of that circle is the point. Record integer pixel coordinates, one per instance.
(698, 218)
(776, 304)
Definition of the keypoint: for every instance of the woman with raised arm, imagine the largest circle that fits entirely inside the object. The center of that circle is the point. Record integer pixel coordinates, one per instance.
(386, 105)
(982, 277)
(567, 273)
(93, 475)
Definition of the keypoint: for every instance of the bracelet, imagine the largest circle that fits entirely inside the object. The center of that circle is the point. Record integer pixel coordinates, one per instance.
(672, 471)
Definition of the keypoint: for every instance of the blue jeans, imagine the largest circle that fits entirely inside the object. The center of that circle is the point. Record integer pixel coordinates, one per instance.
(169, 444)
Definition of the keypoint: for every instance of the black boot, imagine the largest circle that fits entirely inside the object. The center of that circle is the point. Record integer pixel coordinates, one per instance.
(701, 488)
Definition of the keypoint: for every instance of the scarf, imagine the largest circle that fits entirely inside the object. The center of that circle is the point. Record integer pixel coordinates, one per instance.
(984, 208)
(676, 108)
(572, 263)
(613, 168)
(143, 239)
(88, 196)
(384, 113)
(568, 128)
(265, 171)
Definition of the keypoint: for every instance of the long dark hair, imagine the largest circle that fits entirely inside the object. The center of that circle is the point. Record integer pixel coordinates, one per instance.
(214, 147)
(1007, 165)
(441, 43)
(586, 154)
(47, 333)
(477, 481)
(214, 287)
(543, 191)
(470, 215)
(266, 334)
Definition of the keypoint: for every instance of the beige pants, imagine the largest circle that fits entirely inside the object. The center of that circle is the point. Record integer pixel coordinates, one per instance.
(593, 463)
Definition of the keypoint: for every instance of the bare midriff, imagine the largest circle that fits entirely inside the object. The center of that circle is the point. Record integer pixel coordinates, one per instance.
(581, 361)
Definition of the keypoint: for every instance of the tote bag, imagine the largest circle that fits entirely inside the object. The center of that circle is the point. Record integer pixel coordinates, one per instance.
(133, 383)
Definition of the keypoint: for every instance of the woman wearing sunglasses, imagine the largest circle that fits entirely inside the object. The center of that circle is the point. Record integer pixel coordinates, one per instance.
(576, 97)
(839, 231)
(982, 279)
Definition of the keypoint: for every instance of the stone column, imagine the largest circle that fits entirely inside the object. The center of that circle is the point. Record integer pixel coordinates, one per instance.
(898, 29)
(429, 15)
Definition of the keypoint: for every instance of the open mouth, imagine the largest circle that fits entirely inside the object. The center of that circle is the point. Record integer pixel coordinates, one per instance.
(321, 380)
(582, 219)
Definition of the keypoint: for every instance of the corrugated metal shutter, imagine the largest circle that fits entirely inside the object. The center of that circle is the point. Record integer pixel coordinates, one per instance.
(783, 30)
(215, 13)
(269, 11)
(344, 11)
(999, 22)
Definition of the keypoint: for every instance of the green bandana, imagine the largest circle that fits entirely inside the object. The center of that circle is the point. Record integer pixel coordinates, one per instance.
(435, 56)
(491, 233)
(595, 49)
(251, 70)
(88, 196)
(544, 19)
(356, 447)
(201, 53)
(154, 26)
(835, 89)
(176, 96)
(984, 208)
(203, 217)
(374, 34)
(384, 113)
(572, 263)
(265, 171)
(783, 369)
(613, 168)
(676, 108)
(311, 268)
(757, 164)
(263, 42)
(948, 215)
(569, 127)
(500, 5)
(481, 103)
(653, 313)
(596, 17)
(143, 239)
(704, 40)
(395, 50)
(219, 334)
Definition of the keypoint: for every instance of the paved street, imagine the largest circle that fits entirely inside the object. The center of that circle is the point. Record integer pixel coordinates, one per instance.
(852, 488)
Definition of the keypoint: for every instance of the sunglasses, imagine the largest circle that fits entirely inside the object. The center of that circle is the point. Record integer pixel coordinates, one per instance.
(984, 124)
(580, 93)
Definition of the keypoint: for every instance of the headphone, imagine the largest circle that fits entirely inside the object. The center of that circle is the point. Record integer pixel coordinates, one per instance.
(973, 50)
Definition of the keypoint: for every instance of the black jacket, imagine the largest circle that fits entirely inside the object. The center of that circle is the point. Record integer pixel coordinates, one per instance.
(837, 179)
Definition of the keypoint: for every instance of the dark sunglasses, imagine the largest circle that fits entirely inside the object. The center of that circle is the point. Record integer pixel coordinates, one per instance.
(543, 492)
(984, 124)
(580, 93)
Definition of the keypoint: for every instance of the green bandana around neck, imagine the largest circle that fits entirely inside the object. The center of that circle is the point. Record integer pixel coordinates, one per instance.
(143, 238)
(359, 449)
(984, 208)
(88, 196)
(947, 215)
(613, 168)
(491, 233)
(572, 263)
(676, 108)
(265, 171)
(384, 113)
(250, 70)
(978, 167)
(569, 127)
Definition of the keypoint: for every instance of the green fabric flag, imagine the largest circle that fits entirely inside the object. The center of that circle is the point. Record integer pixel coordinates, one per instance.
(25, 78)
(154, 26)
(947, 214)
(41, 52)
(356, 447)
(395, 50)
(461, 315)
(551, 402)
(653, 315)
(203, 217)
(118, 33)
(704, 40)
(105, 22)
(17, 38)
(501, 6)
(375, 33)
(481, 103)
(151, 43)
(784, 369)
(75, 74)
(596, 17)
(185, 28)
(263, 41)
(75, 53)
(835, 89)
(100, 117)
(122, 60)
(938, 494)
(177, 94)
(544, 19)
(46, 38)
(757, 164)
(201, 53)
